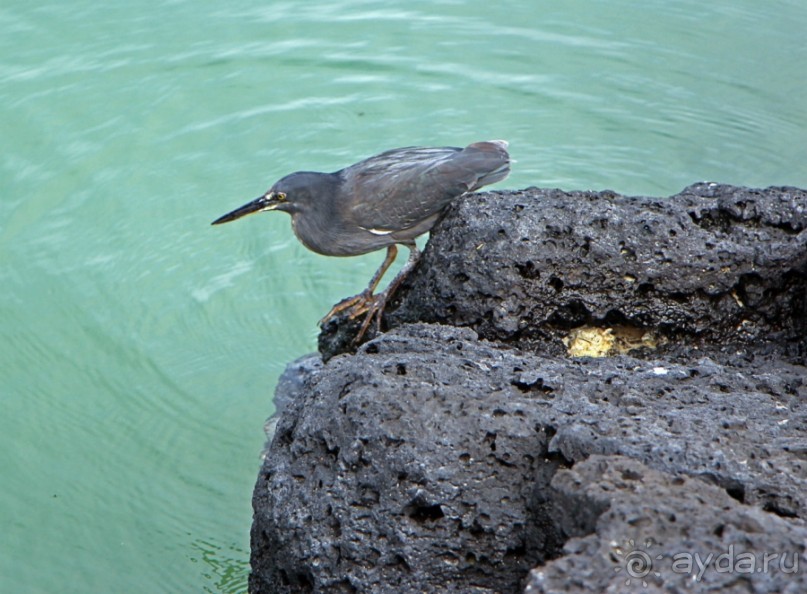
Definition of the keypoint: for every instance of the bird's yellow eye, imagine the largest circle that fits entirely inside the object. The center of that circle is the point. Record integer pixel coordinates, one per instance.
(281, 196)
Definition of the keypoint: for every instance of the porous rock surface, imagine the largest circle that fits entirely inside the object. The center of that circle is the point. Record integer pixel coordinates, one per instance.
(667, 533)
(463, 451)
(711, 265)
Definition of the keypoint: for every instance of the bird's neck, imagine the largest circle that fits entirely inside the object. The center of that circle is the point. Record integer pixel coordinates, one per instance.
(318, 219)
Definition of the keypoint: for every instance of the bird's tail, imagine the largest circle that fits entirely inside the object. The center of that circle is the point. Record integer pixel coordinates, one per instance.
(490, 160)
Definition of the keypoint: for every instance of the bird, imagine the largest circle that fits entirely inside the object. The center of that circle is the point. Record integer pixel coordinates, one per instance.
(381, 202)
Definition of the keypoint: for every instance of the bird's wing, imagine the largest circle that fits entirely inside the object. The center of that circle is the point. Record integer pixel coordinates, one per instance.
(400, 188)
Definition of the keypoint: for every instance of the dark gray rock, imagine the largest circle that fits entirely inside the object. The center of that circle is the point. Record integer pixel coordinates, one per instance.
(714, 264)
(394, 471)
(423, 463)
(457, 455)
(290, 387)
(665, 533)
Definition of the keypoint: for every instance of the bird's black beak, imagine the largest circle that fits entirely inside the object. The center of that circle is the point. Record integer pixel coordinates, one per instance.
(269, 201)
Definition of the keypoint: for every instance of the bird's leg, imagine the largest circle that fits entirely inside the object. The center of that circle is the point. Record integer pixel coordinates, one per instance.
(362, 302)
(375, 308)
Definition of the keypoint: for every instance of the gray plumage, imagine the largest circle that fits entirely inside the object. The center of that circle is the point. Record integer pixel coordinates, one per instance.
(385, 200)
(390, 198)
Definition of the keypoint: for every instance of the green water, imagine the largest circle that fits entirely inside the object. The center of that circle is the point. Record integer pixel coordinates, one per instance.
(139, 347)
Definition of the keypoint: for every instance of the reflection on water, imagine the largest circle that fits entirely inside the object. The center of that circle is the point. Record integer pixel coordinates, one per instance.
(226, 569)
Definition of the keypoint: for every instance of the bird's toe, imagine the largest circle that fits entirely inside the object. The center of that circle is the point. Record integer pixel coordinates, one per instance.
(373, 310)
(356, 305)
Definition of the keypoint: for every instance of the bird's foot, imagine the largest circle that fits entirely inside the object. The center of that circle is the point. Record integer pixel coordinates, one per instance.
(357, 305)
(372, 309)
(364, 304)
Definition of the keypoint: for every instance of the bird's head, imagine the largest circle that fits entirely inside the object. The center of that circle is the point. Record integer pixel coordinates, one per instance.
(289, 194)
